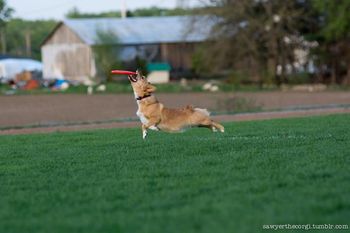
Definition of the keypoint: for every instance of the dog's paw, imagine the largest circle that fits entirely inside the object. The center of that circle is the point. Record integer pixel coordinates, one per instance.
(153, 127)
(144, 135)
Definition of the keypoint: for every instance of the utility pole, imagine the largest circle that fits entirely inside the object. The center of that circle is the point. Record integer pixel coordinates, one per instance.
(28, 39)
(123, 9)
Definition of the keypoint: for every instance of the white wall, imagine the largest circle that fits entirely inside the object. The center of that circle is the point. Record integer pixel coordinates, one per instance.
(158, 77)
(70, 61)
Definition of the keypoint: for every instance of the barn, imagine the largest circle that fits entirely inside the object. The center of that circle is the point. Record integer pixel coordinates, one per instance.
(69, 50)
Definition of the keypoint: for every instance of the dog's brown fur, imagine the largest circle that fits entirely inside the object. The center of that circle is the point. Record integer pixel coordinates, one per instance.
(155, 116)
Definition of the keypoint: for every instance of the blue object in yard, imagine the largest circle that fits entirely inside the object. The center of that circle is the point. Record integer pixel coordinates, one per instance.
(59, 83)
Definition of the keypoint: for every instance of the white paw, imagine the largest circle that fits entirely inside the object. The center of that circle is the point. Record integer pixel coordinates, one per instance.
(153, 127)
(214, 129)
(222, 130)
(144, 134)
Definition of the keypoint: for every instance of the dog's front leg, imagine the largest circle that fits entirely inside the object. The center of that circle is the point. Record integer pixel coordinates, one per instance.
(144, 131)
(150, 125)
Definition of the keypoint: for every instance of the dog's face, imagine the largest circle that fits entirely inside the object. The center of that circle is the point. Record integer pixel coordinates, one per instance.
(140, 85)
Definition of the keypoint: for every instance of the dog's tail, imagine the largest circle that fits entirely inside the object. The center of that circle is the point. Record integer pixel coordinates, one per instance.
(203, 111)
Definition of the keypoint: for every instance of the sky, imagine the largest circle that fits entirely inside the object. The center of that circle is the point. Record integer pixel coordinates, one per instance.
(46, 9)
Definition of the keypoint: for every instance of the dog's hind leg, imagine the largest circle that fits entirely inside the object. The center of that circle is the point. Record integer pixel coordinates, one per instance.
(218, 126)
(207, 123)
(210, 124)
(212, 128)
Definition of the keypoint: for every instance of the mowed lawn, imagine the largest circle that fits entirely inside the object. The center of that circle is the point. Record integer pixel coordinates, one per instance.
(290, 171)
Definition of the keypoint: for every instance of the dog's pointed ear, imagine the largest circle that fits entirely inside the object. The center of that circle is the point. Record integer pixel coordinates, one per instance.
(151, 88)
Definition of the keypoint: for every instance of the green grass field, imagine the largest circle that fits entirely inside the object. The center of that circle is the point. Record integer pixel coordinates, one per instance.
(292, 171)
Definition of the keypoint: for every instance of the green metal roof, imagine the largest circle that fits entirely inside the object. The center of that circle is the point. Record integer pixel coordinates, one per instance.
(158, 67)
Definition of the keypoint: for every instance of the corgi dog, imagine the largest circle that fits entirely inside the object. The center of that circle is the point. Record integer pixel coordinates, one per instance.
(155, 116)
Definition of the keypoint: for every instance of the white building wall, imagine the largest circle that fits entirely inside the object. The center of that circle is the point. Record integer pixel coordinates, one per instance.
(72, 62)
(158, 77)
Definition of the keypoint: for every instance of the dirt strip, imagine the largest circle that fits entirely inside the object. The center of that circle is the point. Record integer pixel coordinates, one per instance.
(220, 118)
(61, 109)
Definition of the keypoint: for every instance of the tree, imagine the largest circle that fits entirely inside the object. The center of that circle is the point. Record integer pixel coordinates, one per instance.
(156, 11)
(75, 13)
(106, 54)
(5, 15)
(18, 29)
(334, 37)
(335, 21)
(141, 12)
(251, 35)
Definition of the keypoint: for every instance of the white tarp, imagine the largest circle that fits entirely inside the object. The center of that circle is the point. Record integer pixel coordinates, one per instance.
(9, 68)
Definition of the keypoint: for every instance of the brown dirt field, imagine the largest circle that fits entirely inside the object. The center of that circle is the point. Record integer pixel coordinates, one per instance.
(61, 109)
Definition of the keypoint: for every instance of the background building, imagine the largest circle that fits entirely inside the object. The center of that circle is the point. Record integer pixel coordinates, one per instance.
(70, 49)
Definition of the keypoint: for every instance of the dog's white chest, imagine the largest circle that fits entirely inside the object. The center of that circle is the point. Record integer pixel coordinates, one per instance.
(142, 117)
